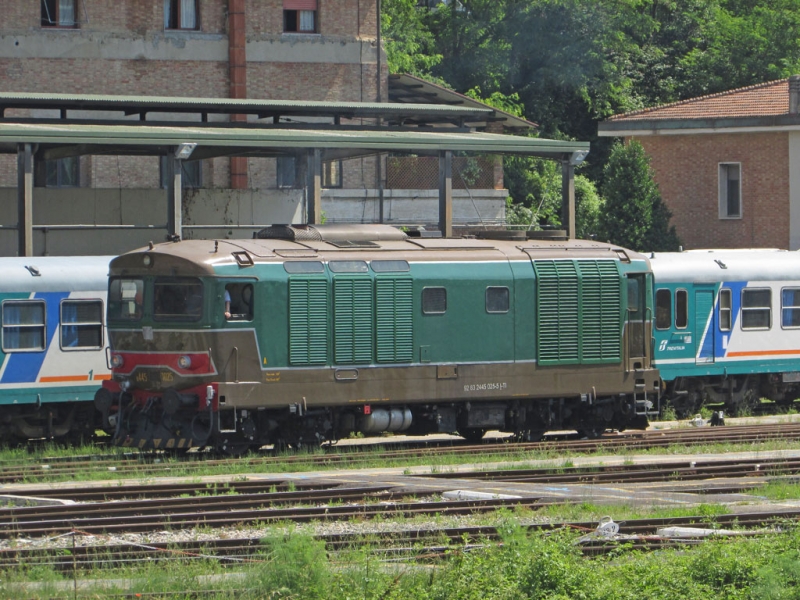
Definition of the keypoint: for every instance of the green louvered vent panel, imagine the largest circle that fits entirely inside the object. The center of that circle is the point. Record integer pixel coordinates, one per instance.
(578, 312)
(393, 313)
(308, 321)
(600, 311)
(352, 320)
(557, 314)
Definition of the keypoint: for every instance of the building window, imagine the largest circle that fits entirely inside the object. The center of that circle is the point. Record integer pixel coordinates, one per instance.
(287, 171)
(191, 173)
(730, 191)
(681, 309)
(663, 309)
(180, 14)
(59, 173)
(300, 16)
(59, 13)
(756, 308)
(23, 326)
(81, 325)
(790, 307)
(434, 301)
(725, 322)
(497, 300)
(332, 174)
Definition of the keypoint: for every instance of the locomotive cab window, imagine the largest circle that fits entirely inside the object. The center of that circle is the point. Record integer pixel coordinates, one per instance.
(497, 299)
(81, 325)
(125, 299)
(725, 310)
(663, 309)
(790, 308)
(756, 308)
(434, 301)
(178, 299)
(681, 309)
(24, 326)
(238, 300)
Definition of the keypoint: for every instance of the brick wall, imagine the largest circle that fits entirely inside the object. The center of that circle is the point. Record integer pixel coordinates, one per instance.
(686, 170)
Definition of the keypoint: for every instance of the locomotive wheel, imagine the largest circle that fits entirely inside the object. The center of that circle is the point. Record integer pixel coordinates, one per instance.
(591, 433)
(473, 435)
(234, 448)
(529, 435)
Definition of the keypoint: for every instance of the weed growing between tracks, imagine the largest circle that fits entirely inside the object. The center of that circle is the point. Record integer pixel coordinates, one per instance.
(527, 565)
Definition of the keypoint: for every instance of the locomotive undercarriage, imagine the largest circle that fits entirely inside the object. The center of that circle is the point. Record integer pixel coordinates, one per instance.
(740, 394)
(70, 423)
(156, 424)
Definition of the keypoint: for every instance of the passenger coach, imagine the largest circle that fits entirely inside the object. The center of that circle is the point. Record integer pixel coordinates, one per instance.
(313, 332)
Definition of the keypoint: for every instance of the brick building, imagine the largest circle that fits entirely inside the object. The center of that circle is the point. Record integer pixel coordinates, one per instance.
(727, 165)
(320, 50)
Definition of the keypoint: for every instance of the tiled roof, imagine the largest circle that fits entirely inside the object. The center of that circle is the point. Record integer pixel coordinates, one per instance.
(763, 100)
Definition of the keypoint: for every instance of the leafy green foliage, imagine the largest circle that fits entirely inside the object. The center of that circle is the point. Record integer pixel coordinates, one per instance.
(634, 216)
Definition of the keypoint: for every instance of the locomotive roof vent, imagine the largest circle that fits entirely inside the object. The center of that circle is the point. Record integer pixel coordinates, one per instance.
(331, 233)
(548, 234)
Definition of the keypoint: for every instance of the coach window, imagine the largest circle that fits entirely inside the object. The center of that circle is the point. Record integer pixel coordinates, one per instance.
(81, 324)
(177, 299)
(790, 308)
(125, 299)
(434, 301)
(241, 301)
(180, 14)
(756, 308)
(24, 326)
(663, 309)
(725, 310)
(59, 13)
(681, 309)
(497, 299)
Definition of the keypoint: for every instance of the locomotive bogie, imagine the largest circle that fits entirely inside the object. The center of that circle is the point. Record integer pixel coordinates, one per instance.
(302, 341)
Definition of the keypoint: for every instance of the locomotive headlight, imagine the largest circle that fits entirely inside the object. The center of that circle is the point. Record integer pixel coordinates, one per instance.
(117, 361)
(147, 260)
(184, 362)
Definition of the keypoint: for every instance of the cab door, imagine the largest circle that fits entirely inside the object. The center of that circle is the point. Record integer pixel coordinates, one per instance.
(637, 319)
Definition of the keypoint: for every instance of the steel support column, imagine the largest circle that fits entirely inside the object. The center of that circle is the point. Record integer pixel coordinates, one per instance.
(25, 200)
(446, 193)
(568, 197)
(314, 186)
(174, 197)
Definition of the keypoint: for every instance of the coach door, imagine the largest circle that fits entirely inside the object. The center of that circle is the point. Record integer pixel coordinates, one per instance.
(636, 322)
(704, 326)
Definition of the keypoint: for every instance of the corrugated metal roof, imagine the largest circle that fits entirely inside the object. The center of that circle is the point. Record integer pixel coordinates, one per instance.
(213, 141)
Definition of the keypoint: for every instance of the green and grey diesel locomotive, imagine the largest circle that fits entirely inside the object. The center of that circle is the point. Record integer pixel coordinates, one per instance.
(311, 333)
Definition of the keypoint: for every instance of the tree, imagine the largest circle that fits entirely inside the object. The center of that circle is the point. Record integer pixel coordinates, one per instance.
(409, 43)
(634, 215)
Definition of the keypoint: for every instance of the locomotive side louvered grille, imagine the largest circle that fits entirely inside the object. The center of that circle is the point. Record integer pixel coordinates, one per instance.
(394, 320)
(308, 321)
(578, 311)
(352, 320)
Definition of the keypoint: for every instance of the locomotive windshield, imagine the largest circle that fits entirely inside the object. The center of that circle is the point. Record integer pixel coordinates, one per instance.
(125, 299)
(177, 299)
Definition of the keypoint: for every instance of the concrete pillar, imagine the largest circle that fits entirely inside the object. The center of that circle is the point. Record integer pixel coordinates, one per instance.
(174, 197)
(314, 186)
(568, 198)
(25, 200)
(446, 193)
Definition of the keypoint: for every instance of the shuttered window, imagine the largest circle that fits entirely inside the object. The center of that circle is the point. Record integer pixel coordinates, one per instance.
(578, 312)
(393, 318)
(352, 318)
(308, 321)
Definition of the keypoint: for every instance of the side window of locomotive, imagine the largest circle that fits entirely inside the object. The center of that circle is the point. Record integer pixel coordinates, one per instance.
(725, 321)
(681, 309)
(434, 300)
(240, 296)
(81, 324)
(24, 326)
(125, 299)
(348, 266)
(634, 297)
(177, 299)
(756, 308)
(790, 307)
(303, 266)
(390, 266)
(663, 309)
(497, 299)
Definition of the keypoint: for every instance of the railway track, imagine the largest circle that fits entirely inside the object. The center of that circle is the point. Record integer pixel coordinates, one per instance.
(154, 464)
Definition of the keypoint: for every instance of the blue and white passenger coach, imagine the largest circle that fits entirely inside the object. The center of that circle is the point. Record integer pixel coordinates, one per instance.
(52, 358)
(727, 327)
